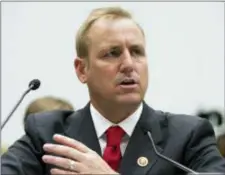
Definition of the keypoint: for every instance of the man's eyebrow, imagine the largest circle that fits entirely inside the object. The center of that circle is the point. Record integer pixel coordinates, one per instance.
(105, 48)
(108, 47)
(137, 46)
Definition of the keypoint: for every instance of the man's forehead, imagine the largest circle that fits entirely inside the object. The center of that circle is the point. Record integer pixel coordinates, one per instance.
(106, 32)
(113, 22)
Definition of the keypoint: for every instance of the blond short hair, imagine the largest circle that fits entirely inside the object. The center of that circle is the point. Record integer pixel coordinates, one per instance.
(105, 12)
(47, 103)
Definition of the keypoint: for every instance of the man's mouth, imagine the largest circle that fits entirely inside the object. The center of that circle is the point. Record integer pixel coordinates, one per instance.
(128, 82)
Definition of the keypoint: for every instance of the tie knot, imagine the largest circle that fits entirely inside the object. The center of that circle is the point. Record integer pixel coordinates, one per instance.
(114, 135)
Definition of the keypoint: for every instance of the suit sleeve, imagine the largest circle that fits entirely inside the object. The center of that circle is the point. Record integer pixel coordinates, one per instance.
(24, 156)
(202, 154)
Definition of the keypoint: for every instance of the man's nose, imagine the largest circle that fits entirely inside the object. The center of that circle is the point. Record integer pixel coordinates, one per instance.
(127, 64)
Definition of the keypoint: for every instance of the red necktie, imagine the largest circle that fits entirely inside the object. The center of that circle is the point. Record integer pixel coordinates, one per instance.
(112, 153)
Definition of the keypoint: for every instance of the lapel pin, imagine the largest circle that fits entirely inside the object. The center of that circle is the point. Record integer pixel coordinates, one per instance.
(142, 161)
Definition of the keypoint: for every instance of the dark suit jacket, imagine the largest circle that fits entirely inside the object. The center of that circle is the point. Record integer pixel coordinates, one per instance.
(186, 139)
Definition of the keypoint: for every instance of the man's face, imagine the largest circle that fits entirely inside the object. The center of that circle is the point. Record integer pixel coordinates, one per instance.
(117, 69)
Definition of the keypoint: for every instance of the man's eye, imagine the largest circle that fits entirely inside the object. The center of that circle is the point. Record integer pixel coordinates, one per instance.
(137, 52)
(113, 53)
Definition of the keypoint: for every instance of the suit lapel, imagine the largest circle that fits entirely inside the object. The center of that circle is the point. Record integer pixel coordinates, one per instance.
(81, 128)
(140, 146)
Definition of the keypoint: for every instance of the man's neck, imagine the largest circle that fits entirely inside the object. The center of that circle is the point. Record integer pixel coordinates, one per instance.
(115, 113)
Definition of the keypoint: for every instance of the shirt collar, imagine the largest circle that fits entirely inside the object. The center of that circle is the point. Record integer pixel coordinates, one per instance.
(102, 124)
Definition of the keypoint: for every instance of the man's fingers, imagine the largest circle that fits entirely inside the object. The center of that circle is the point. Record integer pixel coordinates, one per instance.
(64, 163)
(71, 143)
(56, 171)
(64, 151)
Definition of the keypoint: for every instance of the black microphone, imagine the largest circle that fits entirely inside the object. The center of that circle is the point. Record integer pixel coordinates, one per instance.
(146, 129)
(176, 164)
(33, 85)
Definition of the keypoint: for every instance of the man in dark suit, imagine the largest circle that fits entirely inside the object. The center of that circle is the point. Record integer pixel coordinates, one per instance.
(109, 135)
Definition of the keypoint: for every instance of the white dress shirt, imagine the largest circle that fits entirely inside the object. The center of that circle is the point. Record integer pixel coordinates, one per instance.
(101, 124)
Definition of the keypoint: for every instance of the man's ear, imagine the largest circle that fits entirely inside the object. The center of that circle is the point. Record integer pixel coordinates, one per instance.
(80, 66)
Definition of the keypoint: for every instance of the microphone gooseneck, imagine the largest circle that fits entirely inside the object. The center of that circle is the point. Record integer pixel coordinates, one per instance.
(176, 164)
(33, 85)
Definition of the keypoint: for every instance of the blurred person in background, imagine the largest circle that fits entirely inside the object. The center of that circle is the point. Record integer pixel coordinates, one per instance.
(217, 120)
(47, 103)
(221, 144)
(214, 116)
(4, 148)
(43, 104)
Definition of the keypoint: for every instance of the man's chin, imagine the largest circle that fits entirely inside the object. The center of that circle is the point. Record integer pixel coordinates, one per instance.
(129, 99)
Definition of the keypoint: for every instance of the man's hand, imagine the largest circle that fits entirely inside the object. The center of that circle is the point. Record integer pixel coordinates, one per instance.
(78, 158)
